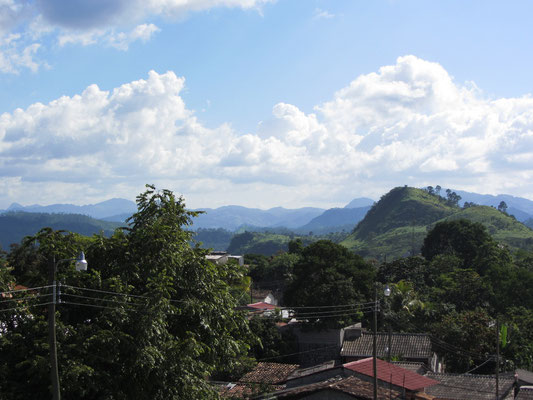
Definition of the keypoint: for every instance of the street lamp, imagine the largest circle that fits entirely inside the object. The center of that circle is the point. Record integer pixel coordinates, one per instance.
(81, 265)
(387, 293)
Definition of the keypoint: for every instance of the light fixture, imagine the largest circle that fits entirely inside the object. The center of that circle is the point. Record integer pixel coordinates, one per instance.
(387, 291)
(81, 262)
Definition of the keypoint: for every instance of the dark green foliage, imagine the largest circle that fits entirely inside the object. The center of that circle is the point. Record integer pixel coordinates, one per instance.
(216, 239)
(161, 345)
(328, 274)
(461, 238)
(272, 343)
(466, 339)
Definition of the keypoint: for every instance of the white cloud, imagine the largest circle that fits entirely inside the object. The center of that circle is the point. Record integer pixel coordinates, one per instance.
(408, 123)
(322, 14)
(26, 26)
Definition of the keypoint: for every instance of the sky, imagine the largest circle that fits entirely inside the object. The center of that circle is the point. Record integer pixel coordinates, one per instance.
(263, 103)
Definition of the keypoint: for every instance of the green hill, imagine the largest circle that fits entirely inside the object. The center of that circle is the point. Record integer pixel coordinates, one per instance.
(14, 226)
(397, 225)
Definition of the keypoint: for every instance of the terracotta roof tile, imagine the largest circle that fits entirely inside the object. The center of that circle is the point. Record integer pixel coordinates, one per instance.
(391, 373)
(407, 345)
(268, 372)
(352, 385)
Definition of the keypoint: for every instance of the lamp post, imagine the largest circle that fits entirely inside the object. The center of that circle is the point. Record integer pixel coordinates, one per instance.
(81, 265)
(386, 292)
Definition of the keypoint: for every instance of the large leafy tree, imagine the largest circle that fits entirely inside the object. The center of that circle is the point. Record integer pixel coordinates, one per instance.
(328, 274)
(151, 319)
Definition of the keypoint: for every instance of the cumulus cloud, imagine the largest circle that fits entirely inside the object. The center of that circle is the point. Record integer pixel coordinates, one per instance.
(408, 123)
(26, 26)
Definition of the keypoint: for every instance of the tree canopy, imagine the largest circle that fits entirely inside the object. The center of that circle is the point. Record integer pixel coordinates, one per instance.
(150, 319)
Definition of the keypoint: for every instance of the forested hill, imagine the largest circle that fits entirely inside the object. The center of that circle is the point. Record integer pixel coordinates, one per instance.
(14, 226)
(397, 224)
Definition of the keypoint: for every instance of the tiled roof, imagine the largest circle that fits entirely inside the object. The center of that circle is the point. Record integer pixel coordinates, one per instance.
(525, 376)
(418, 367)
(407, 345)
(261, 306)
(352, 386)
(391, 373)
(268, 372)
(246, 390)
(525, 393)
(468, 387)
(312, 370)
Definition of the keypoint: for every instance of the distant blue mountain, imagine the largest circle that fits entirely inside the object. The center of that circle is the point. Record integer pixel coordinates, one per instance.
(360, 202)
(233, 217)
(101, 210)
(335, 220)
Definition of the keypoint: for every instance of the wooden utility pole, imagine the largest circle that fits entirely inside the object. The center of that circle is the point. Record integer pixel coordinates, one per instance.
(54, 374)
(374, 343)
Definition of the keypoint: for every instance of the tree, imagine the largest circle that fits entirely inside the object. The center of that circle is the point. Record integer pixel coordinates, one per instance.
(328, 274)
(437, 190)
(462, 238)
(160, 322)
(502, 207)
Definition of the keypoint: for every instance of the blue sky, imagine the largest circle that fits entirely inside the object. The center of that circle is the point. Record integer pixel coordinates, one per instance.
(263, 103)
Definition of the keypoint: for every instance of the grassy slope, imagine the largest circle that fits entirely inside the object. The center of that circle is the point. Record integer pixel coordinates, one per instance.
(399, 222)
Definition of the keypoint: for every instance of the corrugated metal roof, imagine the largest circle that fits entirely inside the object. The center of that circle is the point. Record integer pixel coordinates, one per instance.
(467, 386)
(391, 373)
(406, 345)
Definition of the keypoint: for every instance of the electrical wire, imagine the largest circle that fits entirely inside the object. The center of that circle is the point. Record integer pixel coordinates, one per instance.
(300, 352)
(26, 298)
(24, 307)
(24, 290)
(97, 299)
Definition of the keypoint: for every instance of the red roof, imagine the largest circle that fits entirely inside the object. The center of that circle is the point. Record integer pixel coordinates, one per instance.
(261, 306)
(388, 372)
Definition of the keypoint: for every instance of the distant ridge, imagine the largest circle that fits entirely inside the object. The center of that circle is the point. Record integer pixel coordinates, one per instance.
(100, 210)
(15, 225)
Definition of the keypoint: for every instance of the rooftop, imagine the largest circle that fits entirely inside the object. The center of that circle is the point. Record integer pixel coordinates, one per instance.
(352, 386)
(468, 386)
(406, 345)
(269, 372)
(391, 373)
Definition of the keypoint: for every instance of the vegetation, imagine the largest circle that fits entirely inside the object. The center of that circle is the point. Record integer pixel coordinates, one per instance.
(397, 225)
(151, 319)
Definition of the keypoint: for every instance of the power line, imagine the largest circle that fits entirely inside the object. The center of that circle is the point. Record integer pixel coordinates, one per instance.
(26, 298)
(24, 307)
(24, 290)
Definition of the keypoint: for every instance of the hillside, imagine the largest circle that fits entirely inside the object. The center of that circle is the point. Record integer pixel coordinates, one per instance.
(335, 220)
(14, 226)
(397, 225)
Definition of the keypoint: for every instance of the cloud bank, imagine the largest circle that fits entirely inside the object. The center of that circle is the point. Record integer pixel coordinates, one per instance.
(407, 123)
(25, 26)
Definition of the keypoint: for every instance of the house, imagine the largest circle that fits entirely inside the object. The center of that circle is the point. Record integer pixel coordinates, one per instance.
(337, 388)
(222, 257)
(411, 347)
(470, 387)
(269, 373)
(264, 295)
(390, 376)
(265, 377)
(525, 393)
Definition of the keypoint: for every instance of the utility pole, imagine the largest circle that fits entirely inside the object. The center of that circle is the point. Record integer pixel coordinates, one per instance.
(497, 325)
(54, 374)
(374, 343)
